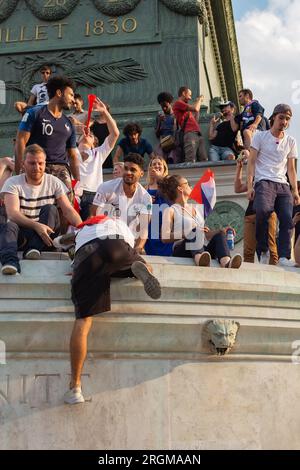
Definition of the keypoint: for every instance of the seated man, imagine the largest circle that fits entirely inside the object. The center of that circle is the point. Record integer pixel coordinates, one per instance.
(223, 131)
(30, 200)
(252, 117)
(104, 249)
(38, 94)
(133, 142)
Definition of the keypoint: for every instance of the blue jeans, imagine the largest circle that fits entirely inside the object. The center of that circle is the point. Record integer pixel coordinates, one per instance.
(13, 237)
(219, 153)
(273, 197)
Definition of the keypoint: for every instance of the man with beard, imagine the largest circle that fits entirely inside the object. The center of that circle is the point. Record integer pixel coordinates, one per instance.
(48, 127)
(222, 133)
(126, 199)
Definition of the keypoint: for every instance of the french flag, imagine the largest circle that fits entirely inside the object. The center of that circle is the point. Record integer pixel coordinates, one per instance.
(204, 192)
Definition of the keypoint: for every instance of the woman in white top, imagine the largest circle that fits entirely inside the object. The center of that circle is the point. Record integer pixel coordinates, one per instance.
(184, 224)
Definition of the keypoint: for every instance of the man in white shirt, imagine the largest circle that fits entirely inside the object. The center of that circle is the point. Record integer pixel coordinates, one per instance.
(92, 158)
(30, 201)
(79, 116)
(38, 93)
(126, 198)
(272, 157)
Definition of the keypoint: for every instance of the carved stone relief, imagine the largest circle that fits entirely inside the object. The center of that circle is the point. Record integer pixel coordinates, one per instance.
(220, 335)
(51, 10)
(186, 7)
(6, 8)
(73, 65)
(115, 7)
(228, 213)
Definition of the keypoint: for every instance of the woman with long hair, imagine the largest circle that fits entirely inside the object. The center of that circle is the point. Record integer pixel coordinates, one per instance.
(157, 170)
(184, 225)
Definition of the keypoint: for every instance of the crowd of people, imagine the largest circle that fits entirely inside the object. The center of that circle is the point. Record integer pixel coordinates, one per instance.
(57, 198)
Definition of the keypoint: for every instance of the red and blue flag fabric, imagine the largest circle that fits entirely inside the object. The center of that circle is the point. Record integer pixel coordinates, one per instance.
(204, 192)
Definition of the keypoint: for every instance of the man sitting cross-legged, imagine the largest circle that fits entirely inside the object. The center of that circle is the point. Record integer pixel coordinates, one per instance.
(30, 200)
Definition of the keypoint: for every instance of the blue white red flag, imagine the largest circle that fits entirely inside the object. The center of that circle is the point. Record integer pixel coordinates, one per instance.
(204, 192)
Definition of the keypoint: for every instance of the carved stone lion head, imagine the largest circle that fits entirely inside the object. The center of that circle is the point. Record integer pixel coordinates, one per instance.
(221, 335)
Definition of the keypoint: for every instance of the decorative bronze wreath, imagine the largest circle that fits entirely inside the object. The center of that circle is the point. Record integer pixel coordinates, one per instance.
(51, 13)
(6, 8)
(115, 7)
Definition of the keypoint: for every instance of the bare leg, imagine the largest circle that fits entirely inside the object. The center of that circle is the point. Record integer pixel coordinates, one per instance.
(78, 348)
(20, 106)
(247, 138)
(224, 261)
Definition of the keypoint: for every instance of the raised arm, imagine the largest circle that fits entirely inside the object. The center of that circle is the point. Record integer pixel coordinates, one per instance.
(111, 123)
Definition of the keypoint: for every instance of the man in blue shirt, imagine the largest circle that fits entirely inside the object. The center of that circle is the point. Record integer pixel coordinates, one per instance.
(48, 127)
(252, 117)
(133, 143)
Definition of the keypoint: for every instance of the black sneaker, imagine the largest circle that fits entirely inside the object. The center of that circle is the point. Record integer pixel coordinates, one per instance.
(151, 284)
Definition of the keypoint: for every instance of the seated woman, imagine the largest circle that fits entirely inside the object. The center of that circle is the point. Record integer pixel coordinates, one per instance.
(184, 224)
(157, 170)
(133, 143)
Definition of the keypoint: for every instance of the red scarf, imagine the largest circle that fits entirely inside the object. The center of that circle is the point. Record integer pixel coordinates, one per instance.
(97, 219)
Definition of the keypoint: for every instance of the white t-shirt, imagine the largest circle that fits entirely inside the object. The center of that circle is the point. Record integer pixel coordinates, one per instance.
(91, 175)
(273, 154)
(107, 229)
(41, 93)
(31, 197)
(111, 199)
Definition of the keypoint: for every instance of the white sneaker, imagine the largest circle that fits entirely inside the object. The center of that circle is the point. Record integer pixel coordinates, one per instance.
(288, 263)
(264, 257)
(32, 254)
(9, 269)
(74, 396)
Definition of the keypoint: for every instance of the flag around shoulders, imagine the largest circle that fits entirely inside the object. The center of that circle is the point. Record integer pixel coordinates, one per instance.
(204, 192)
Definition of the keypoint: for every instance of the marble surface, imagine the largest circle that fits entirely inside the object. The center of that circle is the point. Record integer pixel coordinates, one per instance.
(150, 378)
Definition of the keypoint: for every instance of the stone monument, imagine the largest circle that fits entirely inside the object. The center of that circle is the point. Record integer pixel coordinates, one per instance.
(124, 51)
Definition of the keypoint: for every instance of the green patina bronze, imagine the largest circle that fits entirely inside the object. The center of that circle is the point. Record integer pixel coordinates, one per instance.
(125, 51)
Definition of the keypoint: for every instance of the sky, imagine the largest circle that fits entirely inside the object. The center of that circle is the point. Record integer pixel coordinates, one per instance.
(269, 46)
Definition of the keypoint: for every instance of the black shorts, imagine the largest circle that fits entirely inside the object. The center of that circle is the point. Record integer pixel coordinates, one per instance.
(94, 265)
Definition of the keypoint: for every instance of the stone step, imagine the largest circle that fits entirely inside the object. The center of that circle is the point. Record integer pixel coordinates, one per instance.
(145, 335)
